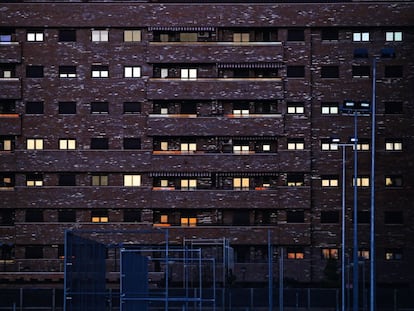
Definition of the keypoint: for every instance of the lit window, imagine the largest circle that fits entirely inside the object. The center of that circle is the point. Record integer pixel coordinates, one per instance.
(363, 145)
(164, 219)
(67, 71)
(34, 144)
(188, 74)
(6, 180)
(329, 108)
(393, 36)
(360, 36)
(99, 216)
(164, 73)
(241, 149)
(393, 254)
(132, 35)
(34, 180)
(188, 147)
(6, 144)
(328, 145)
(266, 148)
(241, 112)
(296, 144)
(164, 145)
(99, 71)
(132, 72)
(100, 35)
(393, 145)
(67, 144)
(295, 253)
(188, 37)
(295, 108)
(164, 183)
(361, 181)
(295, 180)
(35, 36)
(330, 181)
(188, 184)
(100, 180)
(241, 37)
(393, 181)
(329, 253)
(188, 222)
(241, 183)
(363, 254)
(132, 180)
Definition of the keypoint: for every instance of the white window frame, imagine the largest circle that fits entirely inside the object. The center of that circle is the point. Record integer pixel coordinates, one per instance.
(188, 184)
(100, 73)
(394, 146)
(100, 35)
(296, 145)
(132, 72)
(362, 36)
(34, 143)
(361, 181)
(241, 183)
(132, 35)
(329, 146)
(132, 180)
(67, 144)
(35, 36)
(100, 180)
(188, 74)
(330, 182)
(188, 147)
(295, 109)
(393, 36)
(241, 149)
(7, 145)
(328, 109)
(34, 183)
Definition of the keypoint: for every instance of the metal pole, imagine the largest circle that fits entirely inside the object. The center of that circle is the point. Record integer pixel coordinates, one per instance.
(270, 272)
(355, 250)
(343, 230)
(372, 232)
(166, 270)
(281, 274)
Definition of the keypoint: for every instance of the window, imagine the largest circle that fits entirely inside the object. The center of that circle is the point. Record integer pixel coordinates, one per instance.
(188, 74)
(6, 216)
(295, 108)
(188, 184)
(330, 34)
(393, 72)
(6, 143)
(362, 181)
(100, 108)
(188, 37)
(240, 149)
(34, 107)
(34, 180)
(67, 144)
(67, 179)
(363, 144)
(296, 144)
(394, 254)
(241, 37)
(132, 180)
(99, 216)
(132, 71)
(241, 183)
(132, 143)
(295, 71)
(132, 35)
(132, 215)
(188, 147)
(328, 145)
(329, 217)
(99, 180)
(295, 253)
(361, 71)
(35, 36)
(393, 218)
(360, 36)
(6, 180)
(67, 35)
(188, 221)
(34, 215)
(100, 71)
(67, 216)
(67, 71)
(330, 253)
(330, 181)
(132, 107)
(295, 180)
(100, 35)
(329, 72)
(364, 217)
(34, 71)
(361, 53)
(33, 252)
(296, 35)
(67, 107)
(34, 143)
(393, 36)
(363, 254)
(7, 106)
(329, 108)
(295, 217)
(395, 107)
(393, 181)
(99, 143)
(393, 145)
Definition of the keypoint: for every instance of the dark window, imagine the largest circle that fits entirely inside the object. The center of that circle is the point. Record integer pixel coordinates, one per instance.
(34, 216)
(99, 143)
(393, 71)
(296, 71)
(132, 143)
(393, 107)
(188, 108)
(34, 71)
(241, 218)
(67, 107)
(394, 254)
(6, 251)
(361, 71)
(242, 253)
(361, 53)
(132, 216)
(67, 180)
(67, 71)
(295, 180)
(393, 181)
(394, 218)
(61, 251)
(99, 107)
(67, 35)
(7, 106)
(132, 107)
(330, 72)
(67, 216)
(388, 53)
(33, 252)
(296, 35)
(295, 216)
(330, 217)
(364, 217)
(6, 217)
(34, 107)
(330, 34)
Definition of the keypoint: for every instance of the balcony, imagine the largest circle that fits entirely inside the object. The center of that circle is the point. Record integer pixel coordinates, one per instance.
(11, 88)
(260, 125)
(10, 124)
(10, 52)
(216, 88)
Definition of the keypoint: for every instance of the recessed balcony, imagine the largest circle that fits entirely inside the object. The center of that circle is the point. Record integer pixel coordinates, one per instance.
(10, 124)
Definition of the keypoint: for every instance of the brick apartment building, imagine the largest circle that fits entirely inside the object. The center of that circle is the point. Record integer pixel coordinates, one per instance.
(213, 120)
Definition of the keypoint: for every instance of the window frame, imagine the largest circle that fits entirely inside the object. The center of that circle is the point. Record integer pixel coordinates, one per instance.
(100, 35)
(132, 180)
(67, 143)
(35, 36)
(132, 71)
(34, 144)
(132, 35)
